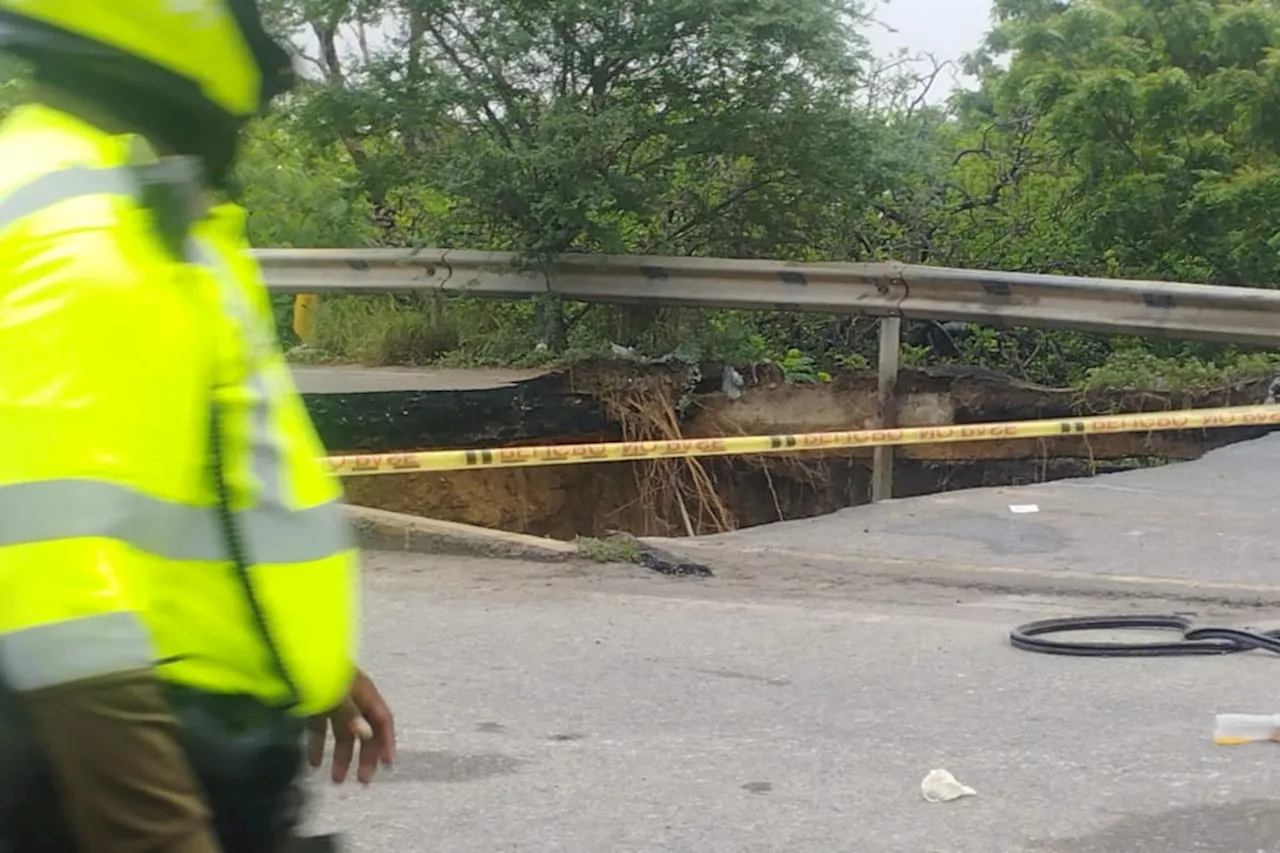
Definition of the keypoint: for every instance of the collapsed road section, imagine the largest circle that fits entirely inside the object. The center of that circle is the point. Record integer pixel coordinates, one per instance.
(672, 497)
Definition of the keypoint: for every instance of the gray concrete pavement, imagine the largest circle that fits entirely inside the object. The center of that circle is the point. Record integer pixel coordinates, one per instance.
(589, 708)
(350, 379)
(1212, 521)
(795, 701)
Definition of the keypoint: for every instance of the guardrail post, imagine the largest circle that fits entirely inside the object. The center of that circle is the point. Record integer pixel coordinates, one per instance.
(890, 353)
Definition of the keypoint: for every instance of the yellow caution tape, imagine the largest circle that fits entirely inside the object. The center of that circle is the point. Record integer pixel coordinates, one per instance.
(629, 451)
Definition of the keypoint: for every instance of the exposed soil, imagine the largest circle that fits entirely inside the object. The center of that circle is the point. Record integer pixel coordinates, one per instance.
(612, 402)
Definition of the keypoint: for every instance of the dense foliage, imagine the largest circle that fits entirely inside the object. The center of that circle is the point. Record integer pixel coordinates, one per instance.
(1131, 138)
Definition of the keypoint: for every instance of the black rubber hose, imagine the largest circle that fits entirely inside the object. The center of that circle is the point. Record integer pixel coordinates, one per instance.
(1031, 637)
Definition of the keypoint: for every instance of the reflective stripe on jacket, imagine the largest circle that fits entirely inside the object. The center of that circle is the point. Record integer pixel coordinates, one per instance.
(112, 352)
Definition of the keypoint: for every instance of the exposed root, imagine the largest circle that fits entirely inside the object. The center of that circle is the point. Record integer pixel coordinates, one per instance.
(680, 492)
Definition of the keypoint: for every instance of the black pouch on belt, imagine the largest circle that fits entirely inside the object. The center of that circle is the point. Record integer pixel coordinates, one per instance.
(248, 757)
(28, 801)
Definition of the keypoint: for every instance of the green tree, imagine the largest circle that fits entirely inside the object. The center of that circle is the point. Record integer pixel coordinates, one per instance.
(1121, 138)
(1162, 116)
(1129, 138)
(300, 195)
(543, 126)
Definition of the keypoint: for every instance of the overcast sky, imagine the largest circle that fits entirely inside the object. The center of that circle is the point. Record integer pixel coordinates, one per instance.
(946, 28)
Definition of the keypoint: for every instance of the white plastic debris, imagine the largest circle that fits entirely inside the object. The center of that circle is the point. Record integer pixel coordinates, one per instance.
(620, 351)
(941, 787)
(1272, 391)
(732, 383)
(1230, 729)
(1023, 509)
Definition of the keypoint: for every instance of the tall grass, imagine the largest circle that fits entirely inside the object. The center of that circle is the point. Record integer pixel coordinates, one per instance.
(382, 330)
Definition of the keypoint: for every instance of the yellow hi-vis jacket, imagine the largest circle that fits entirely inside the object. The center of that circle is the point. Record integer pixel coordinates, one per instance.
(113, 351)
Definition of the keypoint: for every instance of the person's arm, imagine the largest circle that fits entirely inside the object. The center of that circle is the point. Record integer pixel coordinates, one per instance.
(102, 416)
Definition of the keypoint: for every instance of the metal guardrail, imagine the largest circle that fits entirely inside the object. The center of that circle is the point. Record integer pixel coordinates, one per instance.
(1149, 308)
(889, 291)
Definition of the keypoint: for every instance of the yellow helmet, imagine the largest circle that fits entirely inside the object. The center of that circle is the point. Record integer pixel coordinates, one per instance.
(214, 51)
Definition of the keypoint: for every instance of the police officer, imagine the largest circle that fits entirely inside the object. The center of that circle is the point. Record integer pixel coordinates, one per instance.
(178, 593)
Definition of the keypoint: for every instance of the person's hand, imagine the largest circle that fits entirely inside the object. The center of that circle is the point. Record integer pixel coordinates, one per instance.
(362, 716)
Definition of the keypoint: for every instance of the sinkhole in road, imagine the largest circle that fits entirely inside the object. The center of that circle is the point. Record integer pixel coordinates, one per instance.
(609, 402)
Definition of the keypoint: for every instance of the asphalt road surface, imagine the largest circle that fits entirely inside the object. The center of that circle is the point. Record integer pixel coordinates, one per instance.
(795, 701)
(352, 379)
